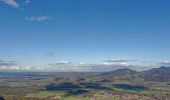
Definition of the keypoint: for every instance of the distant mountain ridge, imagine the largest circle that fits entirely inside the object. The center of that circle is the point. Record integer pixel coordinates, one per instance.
(161, 74)
(120, 74)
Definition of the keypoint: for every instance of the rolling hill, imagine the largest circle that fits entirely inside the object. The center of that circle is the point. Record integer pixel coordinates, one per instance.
(120, 75)
(161, 74)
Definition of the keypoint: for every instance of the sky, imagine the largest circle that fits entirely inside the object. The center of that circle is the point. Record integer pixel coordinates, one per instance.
(84, 35)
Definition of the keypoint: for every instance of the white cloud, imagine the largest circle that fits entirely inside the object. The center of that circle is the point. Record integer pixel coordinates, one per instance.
(87, 64)
(165, 63)
(120, 60)
(9, 65)
(27, 1)
(61, 63)
(67, 69)
(50, 54)
(115, 63)
(64, 66)
(12, 3)
(38, 18)
(82, 63)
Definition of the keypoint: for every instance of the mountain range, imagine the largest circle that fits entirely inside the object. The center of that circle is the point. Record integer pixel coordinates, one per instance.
(161, 74)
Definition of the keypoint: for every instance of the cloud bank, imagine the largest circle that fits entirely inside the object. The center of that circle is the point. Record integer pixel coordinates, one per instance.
(68, 66)
(38, 18)
(9, 65)
(11, 3)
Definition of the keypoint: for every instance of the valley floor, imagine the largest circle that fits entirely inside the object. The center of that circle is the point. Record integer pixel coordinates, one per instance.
(80, 88)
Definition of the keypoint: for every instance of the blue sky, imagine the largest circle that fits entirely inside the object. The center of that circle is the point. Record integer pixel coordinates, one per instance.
(39, 33)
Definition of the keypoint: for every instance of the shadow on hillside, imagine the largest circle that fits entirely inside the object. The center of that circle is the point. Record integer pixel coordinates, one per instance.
(76, 89)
